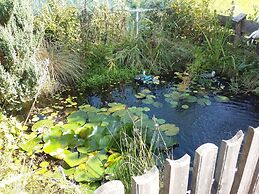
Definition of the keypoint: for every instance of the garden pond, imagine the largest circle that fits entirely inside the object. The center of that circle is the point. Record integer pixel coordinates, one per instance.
(203, 116)
(200, 121)
(87, 133)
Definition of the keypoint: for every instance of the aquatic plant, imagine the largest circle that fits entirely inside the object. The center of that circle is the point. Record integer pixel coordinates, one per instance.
(105, 139)
(20, 173)
(147, 98)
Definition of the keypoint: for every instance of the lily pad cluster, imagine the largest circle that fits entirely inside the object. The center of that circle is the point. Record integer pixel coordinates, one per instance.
(185, 99)
(88, 143)
(147, 98)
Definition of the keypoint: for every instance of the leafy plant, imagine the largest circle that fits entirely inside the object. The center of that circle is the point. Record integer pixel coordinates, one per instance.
(101, 139)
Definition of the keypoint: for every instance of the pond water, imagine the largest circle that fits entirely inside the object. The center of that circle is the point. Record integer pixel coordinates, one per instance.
(198, 124)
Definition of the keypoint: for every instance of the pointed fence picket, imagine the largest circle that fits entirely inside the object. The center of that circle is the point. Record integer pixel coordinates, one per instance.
(233, 174)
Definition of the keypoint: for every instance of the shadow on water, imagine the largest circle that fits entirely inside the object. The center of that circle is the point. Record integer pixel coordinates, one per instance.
(198, 124)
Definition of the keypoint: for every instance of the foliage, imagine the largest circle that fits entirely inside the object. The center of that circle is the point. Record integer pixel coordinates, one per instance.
(105, 139)
(5, 11)
(100, 77)
(65, 66)
(20, 73)
(18, 173)
(61, 22)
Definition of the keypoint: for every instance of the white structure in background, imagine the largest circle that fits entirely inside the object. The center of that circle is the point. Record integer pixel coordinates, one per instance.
(253, 37)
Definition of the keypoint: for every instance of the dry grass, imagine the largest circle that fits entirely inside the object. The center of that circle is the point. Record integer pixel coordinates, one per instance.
(64, 65)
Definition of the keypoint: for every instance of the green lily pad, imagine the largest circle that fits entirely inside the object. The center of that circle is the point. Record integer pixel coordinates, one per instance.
(175, 96)
(70, 127)
(185, 106)
(146, 91)
(32, 145)
(93, 170)
(56, 146)
(83, 150)
(169, 129)
(44, 164)
(191, 99)
(140, 95)
(116, 107)
(150, 96)
(148, 101)
(69, 172)
(157, 104)
(105, 141)
(74, 159)
(89, 108)
(174, 104)
(77, 117)
(43, 124)
(85, 131)
(160, 121)
(204, 101)
(220, 98)
(146, 109)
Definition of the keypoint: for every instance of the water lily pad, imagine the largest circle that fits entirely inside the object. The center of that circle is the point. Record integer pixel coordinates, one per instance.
(150, 96)
(89, 108)
(105, 142)
(175, 96)
(56, 146)
(169, 129)
(157, 104)
(146, 91)
(41, 125)
(160, 121)
(146, 109)
(85, 131)
(77, 117)
(185, 106)
(148, 101)
(92, 171)
(32, 145)
(140, 95)
(74, 159)
(69, 172)
(83, 150)
(116, 107)
(44, 164)
(174, 104)
(191, 99)
(204, 101)
(220, 98)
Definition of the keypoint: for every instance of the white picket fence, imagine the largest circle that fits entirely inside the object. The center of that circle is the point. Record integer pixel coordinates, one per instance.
(227, 173)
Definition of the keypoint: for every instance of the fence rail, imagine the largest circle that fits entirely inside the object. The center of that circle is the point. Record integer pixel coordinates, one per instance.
(223, 172)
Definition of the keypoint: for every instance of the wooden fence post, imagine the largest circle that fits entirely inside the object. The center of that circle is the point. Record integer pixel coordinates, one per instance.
(254, 189)
(247, 163)
(239, 20)
(176, 175)
(147, 183)
(227, 163)
(203, 170)
(112, 187)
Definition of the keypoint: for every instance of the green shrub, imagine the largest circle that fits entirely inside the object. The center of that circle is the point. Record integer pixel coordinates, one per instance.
(61, 22)
(6, 7)
(20, 73)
